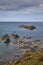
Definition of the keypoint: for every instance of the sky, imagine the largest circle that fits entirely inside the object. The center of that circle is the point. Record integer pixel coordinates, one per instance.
(21, 10)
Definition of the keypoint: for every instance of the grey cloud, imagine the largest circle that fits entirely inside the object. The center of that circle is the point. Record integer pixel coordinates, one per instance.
(12, 5)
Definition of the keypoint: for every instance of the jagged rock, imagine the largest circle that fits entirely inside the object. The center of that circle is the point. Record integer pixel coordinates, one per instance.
(6, 38)
(14, 36)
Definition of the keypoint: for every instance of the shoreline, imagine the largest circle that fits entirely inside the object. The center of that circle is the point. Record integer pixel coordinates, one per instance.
(25, 42)
(24, 58)
(21, 46)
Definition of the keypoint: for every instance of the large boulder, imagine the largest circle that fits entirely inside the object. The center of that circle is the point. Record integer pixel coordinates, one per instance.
(30, 27)
(6, 38)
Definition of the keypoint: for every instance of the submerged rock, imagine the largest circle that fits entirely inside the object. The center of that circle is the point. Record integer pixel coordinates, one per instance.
(15, 36)
(6, 38)
(30, 27)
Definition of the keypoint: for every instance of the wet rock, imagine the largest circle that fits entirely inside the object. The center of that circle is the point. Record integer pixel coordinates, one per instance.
(5, 38)
(22, 40)
(28, 37)
(25, 47)
(36, 43)
(15, 36)
(30, 27)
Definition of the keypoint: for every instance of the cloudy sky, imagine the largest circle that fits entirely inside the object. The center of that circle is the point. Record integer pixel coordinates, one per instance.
(21, 10)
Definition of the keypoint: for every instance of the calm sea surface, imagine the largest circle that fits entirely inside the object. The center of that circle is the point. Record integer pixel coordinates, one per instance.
(12, 27)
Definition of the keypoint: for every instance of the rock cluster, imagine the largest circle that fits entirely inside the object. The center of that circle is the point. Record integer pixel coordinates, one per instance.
(6, 38)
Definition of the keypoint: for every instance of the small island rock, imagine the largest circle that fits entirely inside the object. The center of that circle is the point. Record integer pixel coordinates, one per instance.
(30, 27)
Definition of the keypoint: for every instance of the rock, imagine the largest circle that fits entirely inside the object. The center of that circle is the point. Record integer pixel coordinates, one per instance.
(6, 38)
(24, 47)
(28, 37)
(22, 41)
(36, 40)
(30, 58)
(15, 36)
(30, 27)
(36, 43)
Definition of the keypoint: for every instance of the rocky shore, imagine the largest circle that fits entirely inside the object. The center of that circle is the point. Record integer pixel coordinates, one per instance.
(29, 58)
(33, 48)
(24, 41)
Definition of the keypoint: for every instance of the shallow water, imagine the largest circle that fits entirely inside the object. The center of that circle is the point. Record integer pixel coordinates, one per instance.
(7, 50)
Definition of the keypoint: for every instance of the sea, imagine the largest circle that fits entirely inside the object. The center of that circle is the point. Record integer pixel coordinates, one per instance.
(8, 50)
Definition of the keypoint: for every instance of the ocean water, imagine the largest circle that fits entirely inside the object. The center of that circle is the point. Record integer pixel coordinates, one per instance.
(13, 27)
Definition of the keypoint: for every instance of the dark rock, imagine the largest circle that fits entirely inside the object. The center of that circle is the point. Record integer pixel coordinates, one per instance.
(15, 36)
(28, 37)
(30, 27)
(6, 38)
(36, 40)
